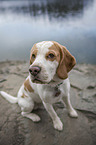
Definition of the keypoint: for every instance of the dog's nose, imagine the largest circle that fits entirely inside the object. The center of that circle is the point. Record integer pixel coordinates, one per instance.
(34, 70)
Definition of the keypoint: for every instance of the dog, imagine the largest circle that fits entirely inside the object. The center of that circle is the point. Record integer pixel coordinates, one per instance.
(47, 82)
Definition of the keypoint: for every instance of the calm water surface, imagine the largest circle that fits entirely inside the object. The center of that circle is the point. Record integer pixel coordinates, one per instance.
(69, 22)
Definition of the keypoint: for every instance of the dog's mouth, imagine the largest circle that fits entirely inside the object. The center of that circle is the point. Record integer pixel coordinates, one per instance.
(38, 81)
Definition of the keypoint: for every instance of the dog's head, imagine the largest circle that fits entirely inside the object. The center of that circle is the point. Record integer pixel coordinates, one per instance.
(49, 59)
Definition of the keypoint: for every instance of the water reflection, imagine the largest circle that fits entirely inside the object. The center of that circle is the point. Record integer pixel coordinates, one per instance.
(70, 22)
(52, 8)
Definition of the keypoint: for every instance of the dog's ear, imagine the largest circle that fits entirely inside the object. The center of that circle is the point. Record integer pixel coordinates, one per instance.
(67, 62)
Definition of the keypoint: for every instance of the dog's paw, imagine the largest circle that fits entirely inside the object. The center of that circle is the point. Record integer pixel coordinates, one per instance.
(73, 113)
(32, 116)
(58, 124)
(36, 118)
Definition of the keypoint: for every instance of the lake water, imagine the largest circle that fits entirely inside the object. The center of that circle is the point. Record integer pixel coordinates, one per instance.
(70, 22)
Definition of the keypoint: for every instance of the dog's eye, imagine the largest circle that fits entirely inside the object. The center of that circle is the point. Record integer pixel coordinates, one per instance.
(33, 56)
(51, 55)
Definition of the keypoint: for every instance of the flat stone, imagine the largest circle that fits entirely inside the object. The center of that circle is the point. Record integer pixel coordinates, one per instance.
(92, 85)
(83, 100)
(80, 80)
(2, 80)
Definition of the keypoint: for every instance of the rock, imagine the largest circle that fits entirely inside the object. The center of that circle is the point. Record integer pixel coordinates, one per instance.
(80, 80)
(16, 130)
(84, 100)
(92, 85)
(2, 80)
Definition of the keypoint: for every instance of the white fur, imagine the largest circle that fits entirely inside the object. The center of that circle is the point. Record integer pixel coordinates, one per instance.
(44, 45)
(8, 97)
(44, 92)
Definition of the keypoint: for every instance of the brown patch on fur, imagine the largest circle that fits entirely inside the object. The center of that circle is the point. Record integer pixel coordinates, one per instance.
(66, 62)
(34, 51)
(27, 86)
(24, 96)
(55, 51)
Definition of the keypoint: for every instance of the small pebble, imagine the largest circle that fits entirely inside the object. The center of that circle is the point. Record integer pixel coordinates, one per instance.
(44, 136)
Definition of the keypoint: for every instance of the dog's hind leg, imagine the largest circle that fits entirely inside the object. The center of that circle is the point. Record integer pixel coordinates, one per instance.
(26, 108)
(34, 117)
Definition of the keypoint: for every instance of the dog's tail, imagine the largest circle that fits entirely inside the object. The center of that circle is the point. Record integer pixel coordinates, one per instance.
(8, 97)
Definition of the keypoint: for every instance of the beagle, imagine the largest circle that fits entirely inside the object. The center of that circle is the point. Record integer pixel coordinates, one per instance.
(47, 82)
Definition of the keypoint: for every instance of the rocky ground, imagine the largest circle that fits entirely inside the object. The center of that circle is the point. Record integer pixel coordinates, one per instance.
(16, 130)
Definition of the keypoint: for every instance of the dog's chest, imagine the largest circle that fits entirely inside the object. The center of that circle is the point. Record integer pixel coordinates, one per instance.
(47, 93)
(50, 94)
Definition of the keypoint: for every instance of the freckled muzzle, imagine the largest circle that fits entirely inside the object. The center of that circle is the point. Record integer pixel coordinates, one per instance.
(36, 75)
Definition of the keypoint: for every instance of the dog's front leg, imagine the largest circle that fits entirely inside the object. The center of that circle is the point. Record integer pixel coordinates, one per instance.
(56, 120)
(66, 99)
